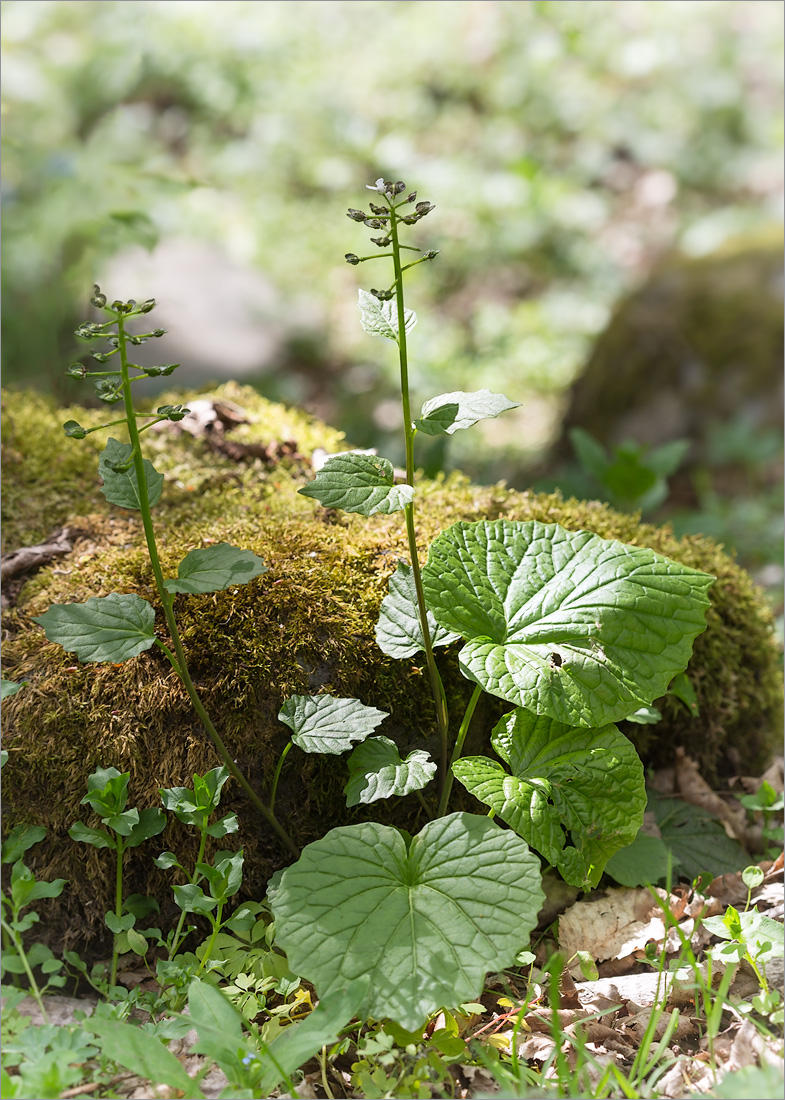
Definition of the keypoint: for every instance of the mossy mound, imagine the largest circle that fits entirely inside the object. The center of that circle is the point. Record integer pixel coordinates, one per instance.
(699, 344)
(304, 626)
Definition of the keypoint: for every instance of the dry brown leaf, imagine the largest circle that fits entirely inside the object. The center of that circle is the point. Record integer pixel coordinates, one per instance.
(614, 926)
(694, 789)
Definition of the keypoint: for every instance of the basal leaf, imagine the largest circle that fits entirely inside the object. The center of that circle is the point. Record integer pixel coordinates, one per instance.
(121, 487)
(381, 318)
(213, 568)
(104, 628)
(567, 783)
(398, 631)
(20, 838)
(424, 924)
(451, 411)
(564, 623)
(377, 771)
(322, 723)
(642, 863)
(359, 483)
(9, 687)
(697, 840)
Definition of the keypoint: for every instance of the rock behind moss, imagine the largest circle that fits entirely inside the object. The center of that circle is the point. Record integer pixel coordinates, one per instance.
(307, 625)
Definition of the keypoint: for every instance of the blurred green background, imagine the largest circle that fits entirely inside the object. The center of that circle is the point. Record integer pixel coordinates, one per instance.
(205, 153)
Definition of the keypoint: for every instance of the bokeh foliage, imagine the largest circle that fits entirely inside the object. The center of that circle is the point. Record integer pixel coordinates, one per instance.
(565, 144)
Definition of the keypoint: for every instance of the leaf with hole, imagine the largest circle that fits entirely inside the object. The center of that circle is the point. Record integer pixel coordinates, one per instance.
(564, 623)
(214, 568)
(398, 631)
(121, 487)
(359, 483)
(424, 924)
(324, 723)
(376, 771)
(104, 628)
(578, 784)
(381, 318)
(450, 411)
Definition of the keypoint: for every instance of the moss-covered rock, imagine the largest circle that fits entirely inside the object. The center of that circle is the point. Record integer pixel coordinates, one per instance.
(304, 626)
(698, 345)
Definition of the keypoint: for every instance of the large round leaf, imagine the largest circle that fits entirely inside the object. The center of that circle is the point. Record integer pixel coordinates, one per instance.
(426, 925)
(564, 623)
(578, 782)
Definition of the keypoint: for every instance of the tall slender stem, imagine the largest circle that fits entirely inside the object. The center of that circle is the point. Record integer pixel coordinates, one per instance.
(179, 662)
(456, 752)
(437, 687)
(118, 906)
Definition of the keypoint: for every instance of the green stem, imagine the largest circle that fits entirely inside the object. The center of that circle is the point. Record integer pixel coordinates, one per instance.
(458, 748)
(194, 878)
(118, 907)
(276, 777)
(178, 659)
(210, 943)
(437, 687)
(35, 992)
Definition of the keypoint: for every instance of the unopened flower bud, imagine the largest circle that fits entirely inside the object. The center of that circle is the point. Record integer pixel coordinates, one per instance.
(145, 307)
(374, 223)
(423, 208)
(356, 215)
(76, 370)
(382, 295)
(102, 356)
(98, 299)
(411, 197)
(117, 305)
(399, 187)
(410, 219)
(430, 254)
(158, 332)
(382, 242)
(351, 258)
(377, 209)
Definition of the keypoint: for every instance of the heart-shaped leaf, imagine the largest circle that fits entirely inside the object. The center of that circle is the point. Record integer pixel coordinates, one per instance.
(121, 487)
(377, 771)
(448, 412)
(381, 318)
(322, 723)
(398, 631)
(213, 568)
(359, 483)
(583, 783)
(104, 628)
(425, 925)
(564, 623)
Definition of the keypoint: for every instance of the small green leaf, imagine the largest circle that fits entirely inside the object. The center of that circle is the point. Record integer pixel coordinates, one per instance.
(84, 834)
(585, 784)
(137, 942)
(381, 318)
(376, 771)
(218, 1024)
(424, 924)
(683, 690)
(359, 483)
(214, 568)
(121, 487)
(644, 716)
(450, 411)
(323, 723)
(642, 863)
(564, 623)
(398, 631)
(8, 687)
(151, 822)
(119, 924)
(104, 628)
(142, 1054)
(166, 860)
(19, 840)
(192, 899)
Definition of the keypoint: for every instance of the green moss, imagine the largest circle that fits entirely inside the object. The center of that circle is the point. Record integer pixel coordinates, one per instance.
(305, 626)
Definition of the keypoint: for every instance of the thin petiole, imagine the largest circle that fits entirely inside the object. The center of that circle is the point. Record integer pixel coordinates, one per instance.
(458, 748)
(276, 777)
